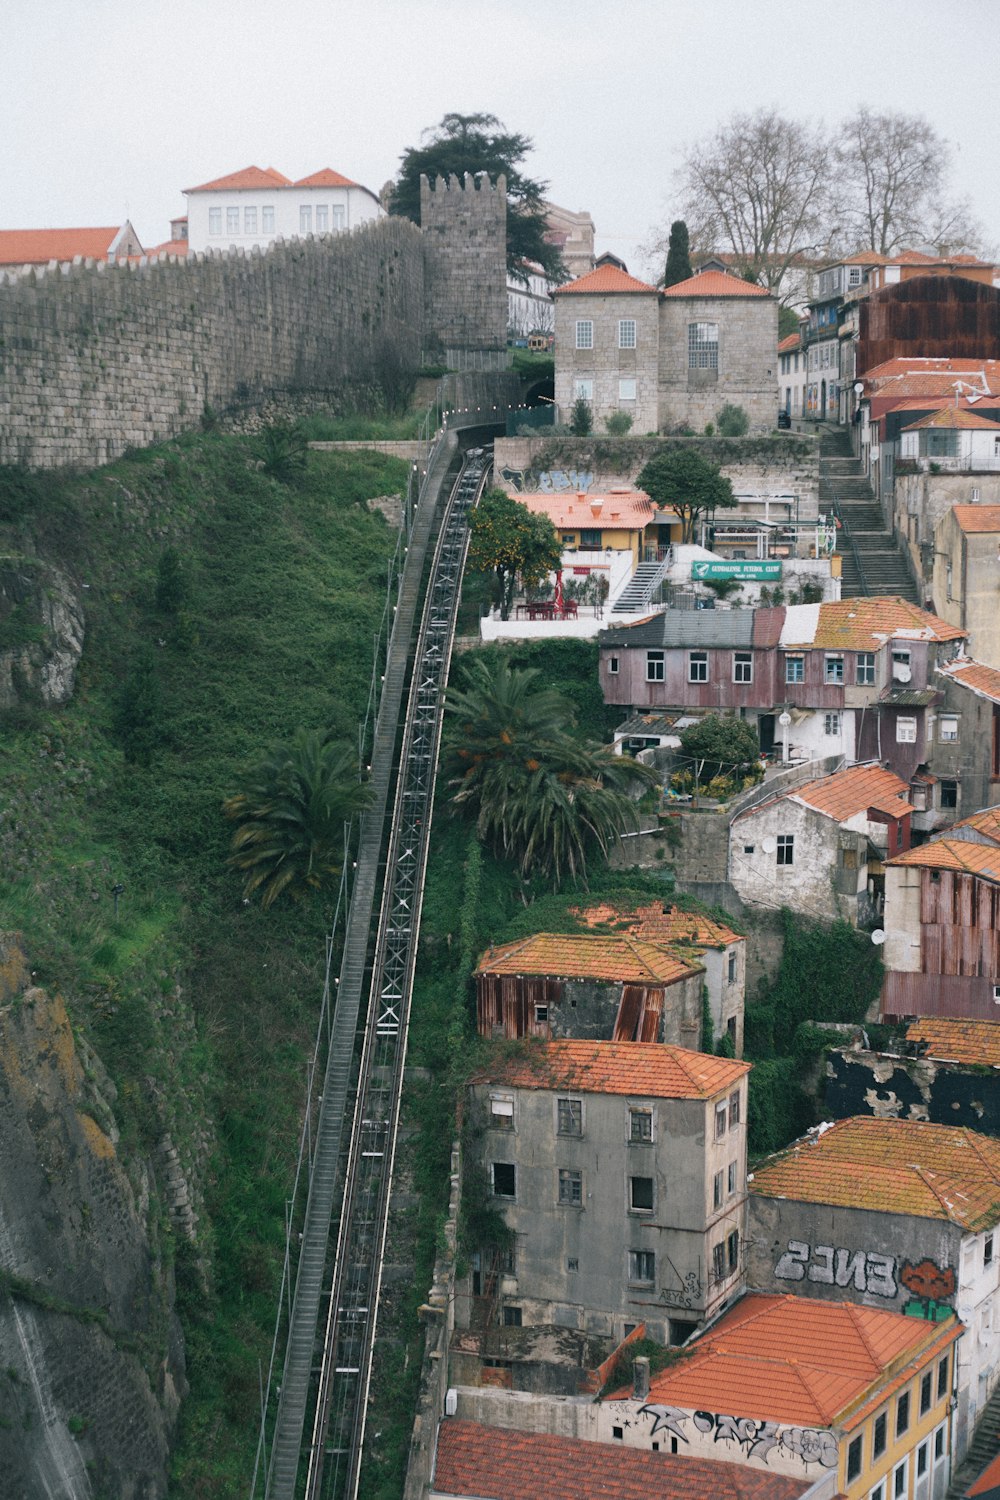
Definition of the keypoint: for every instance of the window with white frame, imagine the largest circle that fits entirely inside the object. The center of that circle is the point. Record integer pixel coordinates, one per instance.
(743, 666)
(703, 346)
(906, 731)
(626, 333)
(721, 1119)
(583, 390)
(786, 849)
(305, 218)
(215, 221)
(854, 276)
(899, 1478)
(655, 666)
(833, 669)
(642, 1266)
(249, 221)
(613, 666)
(585, 333)
(267, 219)
(948, 728)
(570, 1187)
(734, 1109)
(831, 723)
(697, 666)
(232, 221)
(922, 1453)
(626, 390)
(864, 668)
(795, 669)
(717, 1190)
(502, 1113)
(731, 1179)
(339, 219)
(640, 1195)
(322, 218)
(640, 1126)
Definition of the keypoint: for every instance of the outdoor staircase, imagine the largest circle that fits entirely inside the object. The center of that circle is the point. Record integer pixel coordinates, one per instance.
(639, 590)
(985, 1446)
(872, 561)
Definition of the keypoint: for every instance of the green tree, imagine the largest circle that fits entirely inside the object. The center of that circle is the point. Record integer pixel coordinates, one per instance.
(732, 421)
(720, 745)
(582, 421)
(508, 541)
(678, 255)
(679, 479)
(538, 795)
(474, 144)
(291, 814)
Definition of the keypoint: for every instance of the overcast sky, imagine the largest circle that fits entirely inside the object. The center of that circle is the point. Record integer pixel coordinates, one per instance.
(110, 108)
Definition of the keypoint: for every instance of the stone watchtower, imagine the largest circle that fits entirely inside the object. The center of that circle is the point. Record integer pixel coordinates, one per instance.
(465, 269)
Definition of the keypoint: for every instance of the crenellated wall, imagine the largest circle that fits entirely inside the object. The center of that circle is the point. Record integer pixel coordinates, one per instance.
(465, 268)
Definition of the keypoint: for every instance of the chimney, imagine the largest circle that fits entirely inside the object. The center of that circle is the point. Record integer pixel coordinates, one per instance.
(596, 501)
(640, 1374)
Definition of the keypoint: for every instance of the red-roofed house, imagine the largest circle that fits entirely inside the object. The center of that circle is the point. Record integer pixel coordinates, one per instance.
(256, 206)
(23, 250)
(620, 1167)
(955, 438)
(818, 849)
(672, 358)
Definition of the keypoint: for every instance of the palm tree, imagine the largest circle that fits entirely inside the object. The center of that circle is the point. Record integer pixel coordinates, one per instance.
(540, 796)
(291, 815)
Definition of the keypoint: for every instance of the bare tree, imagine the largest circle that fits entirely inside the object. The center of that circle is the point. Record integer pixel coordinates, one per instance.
(758, 188)
(892, 186)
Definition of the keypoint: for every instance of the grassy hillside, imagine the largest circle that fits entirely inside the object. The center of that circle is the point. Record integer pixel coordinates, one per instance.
(202, 1008)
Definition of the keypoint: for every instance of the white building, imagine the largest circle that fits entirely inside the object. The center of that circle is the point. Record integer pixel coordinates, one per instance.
(952, 439)
(256, 206)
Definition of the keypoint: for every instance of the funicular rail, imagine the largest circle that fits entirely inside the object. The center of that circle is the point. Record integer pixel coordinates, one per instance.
(333, 1458)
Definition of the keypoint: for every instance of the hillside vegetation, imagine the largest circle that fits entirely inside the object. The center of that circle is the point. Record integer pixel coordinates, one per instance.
(223, 610)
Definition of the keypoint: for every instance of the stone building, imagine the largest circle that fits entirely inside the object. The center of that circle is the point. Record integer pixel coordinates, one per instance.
(895, 1214)
(621, 1170)
(464, 226)
(966, 751)
(966, 566)
(669, 359)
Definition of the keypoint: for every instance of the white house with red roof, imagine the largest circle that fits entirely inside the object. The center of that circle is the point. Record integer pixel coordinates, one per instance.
(255, 206)
(954, 439)
(669, 358)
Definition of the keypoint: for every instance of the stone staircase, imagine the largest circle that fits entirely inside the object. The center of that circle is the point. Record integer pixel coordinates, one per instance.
(640, 588)
(845, 490)
(985, 1446)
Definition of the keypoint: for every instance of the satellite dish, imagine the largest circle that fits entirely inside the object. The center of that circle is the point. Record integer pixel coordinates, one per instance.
(784, 719)
(901, 672)
(858, 387)
(769, 845)
(878, 937)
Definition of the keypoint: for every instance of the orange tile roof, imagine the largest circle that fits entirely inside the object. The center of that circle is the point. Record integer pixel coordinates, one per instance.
(984, 681)
(954, 854)
(656, 1070)
(986, 821)
(715, 284)
(656, 924)
(863, 624)
(955, 416)
(505, 1464)
(865, 258)
(949, 1039)
(169, 247)
(36, 247)
(325, 177)
(789, 343)
(792, 1359)
(931, 377)
(891, 1166)
(581, 955)
(604, 279)
(988, 1483)
(248, 177)
(853, 791)
(978, 518)
(622, 510)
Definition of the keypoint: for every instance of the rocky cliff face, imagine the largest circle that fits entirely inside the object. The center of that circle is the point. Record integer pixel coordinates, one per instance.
(41, 633)
(91, 1361)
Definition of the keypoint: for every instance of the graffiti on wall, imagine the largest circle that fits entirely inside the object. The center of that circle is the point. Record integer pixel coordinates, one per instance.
(752, 1437)
(688, 1295)
(548, 481)
(929, 1286)
(832, 1265)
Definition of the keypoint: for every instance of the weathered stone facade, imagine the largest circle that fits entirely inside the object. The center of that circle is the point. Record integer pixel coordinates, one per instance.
(465, 262)
(747, 373)
(605, 367)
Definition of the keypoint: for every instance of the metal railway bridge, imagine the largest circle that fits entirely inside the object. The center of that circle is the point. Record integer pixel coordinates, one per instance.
(314, 1445)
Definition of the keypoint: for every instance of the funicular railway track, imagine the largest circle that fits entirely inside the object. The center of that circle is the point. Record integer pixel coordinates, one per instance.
(326, 1463)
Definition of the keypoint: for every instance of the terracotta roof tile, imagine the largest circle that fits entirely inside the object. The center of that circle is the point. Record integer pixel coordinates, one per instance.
(715, 284)
(604, 279)
(979, 679)
(36, 247)
(988, 1483)
(169, 247)
(916, 376)
(978, 518)
(985, 821)
(656, 1070)
(891, 1166)
(672, 926)
(955, 417)
(247, 177)
(580, 955)
(508, 1465)
(853, 791)
(949, 1039)
(863, 624)
(325, 177)
(954, 854)
(790, 343)
(626, 510)
(792, 1359)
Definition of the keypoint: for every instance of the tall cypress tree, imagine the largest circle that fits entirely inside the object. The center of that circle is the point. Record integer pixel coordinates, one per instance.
(678, 256)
